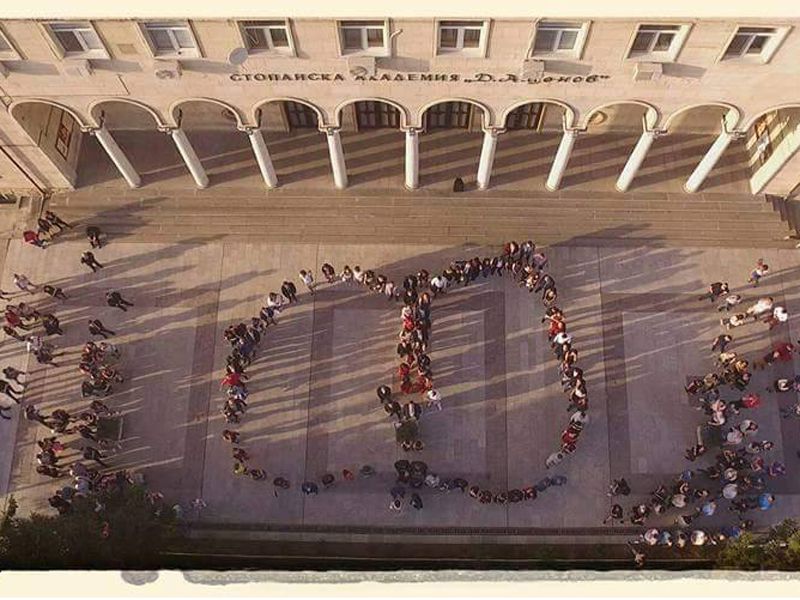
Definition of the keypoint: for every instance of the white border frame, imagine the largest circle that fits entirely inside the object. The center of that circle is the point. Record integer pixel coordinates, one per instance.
(61, 53)
(479, 52)
(145, 35)
(290, 52)
(575, 53)
(765, 57)
(385, 52)
(674, 51)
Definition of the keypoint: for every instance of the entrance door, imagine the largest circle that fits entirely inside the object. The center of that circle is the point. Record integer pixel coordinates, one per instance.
(376, 115)
(300, 116)
(448, 115)
(527, 116)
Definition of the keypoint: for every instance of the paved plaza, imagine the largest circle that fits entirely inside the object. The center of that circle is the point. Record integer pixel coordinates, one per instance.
(633, 312)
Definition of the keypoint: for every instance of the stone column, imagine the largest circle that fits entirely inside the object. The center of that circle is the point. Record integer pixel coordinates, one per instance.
(117, 156)
(189, 156)
(412, 158)
(337, 158)
(262, 156)
(708, 161)
(487, 157)
(561, 159)
(635, 160)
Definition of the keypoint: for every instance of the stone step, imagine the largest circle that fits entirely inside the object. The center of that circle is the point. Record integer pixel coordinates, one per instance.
(183, 199)
(590, 235)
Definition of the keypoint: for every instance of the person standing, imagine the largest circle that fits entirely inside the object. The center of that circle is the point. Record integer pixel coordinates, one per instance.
(55, 292)
(433, 400)
(329, 272)
(32, 238)
(115, 300)
(56, 220)
(289, 291)
(23, 283)
(715, 290)
(758, 272)
(52, 325)
(7, 389)
(93, 235)
(88, 259)
(13, 374)
(11, 332)
(308, 279)
(96, 327)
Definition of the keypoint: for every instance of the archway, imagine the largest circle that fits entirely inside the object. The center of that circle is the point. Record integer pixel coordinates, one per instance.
(771, 145)
(291, 129)
(611, 134)
(450, 146)
(213, 129)
(533, 130)
(56, 131)
(134, 128)
(691, 132)
(373, 142)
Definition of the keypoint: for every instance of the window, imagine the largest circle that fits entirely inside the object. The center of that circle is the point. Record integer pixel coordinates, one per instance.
(448, 115)
(466, 37)
(171, 39)
(658, 42)
(754, 42)
(76, 40)
(527, 116)
(376, 115)
(559, 38)
(267, 36)
(654, 38)
(300, 116)
(363, 36)
(7, 51)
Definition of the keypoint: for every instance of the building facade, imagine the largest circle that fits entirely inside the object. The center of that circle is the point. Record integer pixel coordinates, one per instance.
(732, 81)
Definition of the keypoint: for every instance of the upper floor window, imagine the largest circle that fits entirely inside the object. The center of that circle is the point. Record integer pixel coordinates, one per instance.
(658, 42)
(267, 36)
(7, 50)
(363, 36)
(553, 37)
(755, 43)
(466, 37)
(76, 39)
(171, 39)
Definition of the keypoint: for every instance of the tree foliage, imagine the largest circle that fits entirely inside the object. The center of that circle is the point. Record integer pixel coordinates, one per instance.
(121, 529)
(779, 550)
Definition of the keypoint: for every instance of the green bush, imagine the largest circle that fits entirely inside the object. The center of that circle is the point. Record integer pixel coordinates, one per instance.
(125, 531)
(779, 550)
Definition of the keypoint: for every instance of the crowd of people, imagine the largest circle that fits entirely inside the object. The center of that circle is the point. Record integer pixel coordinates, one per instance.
(92, 431)
(737, 478)
(413, 394)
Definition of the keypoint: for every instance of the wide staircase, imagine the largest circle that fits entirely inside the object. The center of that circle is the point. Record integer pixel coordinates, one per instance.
(569, 217)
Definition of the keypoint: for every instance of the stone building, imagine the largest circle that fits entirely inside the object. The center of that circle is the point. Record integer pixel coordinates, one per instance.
(155, 92)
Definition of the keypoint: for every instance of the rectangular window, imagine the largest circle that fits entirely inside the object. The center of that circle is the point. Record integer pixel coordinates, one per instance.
(267, 36)
(77, 39)
(751, 41)
(655, 39)
(7, 50)
(171, 39)
(558, 37)
(461, 36)
(363, 36)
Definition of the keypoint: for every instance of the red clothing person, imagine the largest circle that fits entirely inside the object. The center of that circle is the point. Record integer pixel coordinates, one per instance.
(231, 379)
(783, 351)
